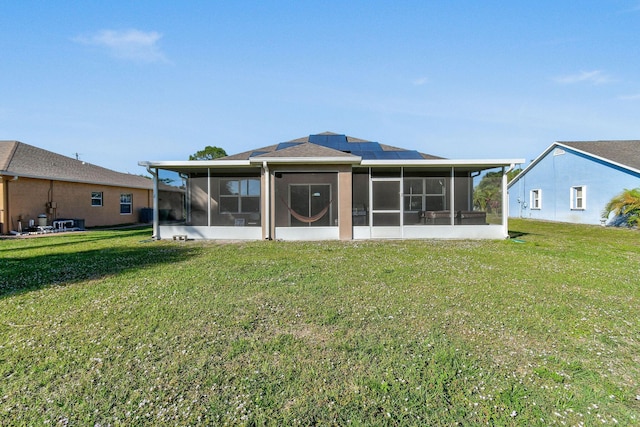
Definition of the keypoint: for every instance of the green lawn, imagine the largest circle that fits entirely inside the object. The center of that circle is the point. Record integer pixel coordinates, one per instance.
(111, 328)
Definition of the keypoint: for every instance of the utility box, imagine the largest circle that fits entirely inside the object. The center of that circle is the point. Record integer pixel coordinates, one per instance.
(146, 215)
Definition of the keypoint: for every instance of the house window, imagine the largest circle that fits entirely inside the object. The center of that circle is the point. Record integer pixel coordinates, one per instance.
(96, 198)
(536, 199)
(126, 202)
(422, 194)
(579, 197)
(240, 195)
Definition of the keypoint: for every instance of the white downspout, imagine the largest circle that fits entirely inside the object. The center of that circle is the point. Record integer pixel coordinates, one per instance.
(452, 204)
(267, 200)
(156, 223)
(187, 197)
(505, 200)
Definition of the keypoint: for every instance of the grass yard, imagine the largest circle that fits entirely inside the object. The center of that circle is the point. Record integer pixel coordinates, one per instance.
(109, 328)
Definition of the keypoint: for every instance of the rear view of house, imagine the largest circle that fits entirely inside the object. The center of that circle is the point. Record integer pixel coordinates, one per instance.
(330, 186)
(41, 187)
(573, 181)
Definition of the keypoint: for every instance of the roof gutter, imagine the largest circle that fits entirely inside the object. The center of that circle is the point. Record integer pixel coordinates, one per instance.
(194, 163)
(445, 162)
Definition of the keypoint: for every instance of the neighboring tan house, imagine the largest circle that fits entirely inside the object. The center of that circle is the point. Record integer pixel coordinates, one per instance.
(331, 186)
(573, 181)
(40, 187)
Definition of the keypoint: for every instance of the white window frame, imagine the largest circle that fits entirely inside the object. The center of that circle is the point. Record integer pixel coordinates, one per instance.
(424, 195)
(124, 202)
(244, 193)
(97, 196)
(535, 199)
(578, 203)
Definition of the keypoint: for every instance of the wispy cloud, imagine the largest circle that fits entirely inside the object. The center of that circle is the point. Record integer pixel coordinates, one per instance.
(130, 44)
(420, 81)
(596, 77)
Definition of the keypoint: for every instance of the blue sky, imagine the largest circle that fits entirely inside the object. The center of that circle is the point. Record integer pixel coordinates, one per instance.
(122, 81)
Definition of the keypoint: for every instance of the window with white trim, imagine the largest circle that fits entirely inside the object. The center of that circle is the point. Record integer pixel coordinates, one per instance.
(579, 197)
(96, 198)
(422, 194)
(535, 199)
(126, 204)
(240, 195)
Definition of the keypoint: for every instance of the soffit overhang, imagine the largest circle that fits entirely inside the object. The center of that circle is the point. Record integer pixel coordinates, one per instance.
(468, 163)
(255, 162)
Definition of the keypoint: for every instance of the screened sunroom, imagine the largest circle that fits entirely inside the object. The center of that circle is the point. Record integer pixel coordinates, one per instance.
(330, 187)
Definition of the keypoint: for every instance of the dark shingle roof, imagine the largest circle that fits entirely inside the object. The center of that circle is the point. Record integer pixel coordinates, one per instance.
(625, 153)
(305, 149)
(329, 144)
(20, 159)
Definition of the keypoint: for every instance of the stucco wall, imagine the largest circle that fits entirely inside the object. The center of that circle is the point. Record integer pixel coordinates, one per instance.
(27, 198)
(345, 215)
(555, 174)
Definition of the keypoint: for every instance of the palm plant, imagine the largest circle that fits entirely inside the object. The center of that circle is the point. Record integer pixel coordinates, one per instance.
(625, 204)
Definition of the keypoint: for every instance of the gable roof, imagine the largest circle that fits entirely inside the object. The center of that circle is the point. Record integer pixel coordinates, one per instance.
(624, 153)
(331, 145)
(621, 153)
(24, 160)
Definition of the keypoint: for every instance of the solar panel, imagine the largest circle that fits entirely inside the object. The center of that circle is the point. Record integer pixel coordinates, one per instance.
(284, 145)
(409, 155)
(369, 150)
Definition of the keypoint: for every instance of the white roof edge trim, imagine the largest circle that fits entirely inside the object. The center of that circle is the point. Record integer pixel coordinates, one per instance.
(557, 144)
(309, 160)
(604, 159)
(196, 163)
(532, 164)
(445, 162)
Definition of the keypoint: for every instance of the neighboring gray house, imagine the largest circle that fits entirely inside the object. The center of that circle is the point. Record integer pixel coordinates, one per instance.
(573, 181)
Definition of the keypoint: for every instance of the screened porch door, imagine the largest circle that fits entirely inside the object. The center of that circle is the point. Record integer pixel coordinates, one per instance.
(310, 205)
(386, 212)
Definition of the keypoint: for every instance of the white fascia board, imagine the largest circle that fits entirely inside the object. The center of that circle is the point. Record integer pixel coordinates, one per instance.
(307, 160)
(603, 159)
(445, 162)
(195, 163)
(532, 164)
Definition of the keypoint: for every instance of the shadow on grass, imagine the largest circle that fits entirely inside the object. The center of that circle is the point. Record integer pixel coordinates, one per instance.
(19, 274)
(513, 234)
(53, 241)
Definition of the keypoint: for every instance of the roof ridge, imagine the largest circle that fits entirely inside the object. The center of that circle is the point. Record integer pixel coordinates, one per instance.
(35, 162)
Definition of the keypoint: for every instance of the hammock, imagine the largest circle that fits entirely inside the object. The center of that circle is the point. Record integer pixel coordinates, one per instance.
(307, 219)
